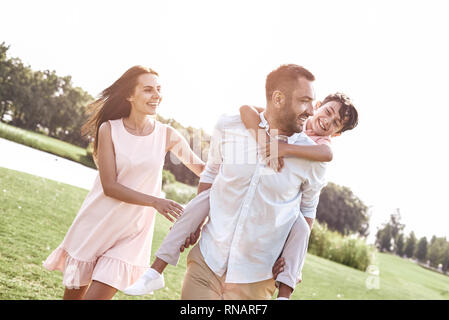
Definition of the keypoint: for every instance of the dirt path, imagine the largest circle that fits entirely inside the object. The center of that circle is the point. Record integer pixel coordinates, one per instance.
(22, 158)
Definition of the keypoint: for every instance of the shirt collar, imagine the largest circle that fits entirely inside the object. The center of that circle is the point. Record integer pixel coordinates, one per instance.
(264, 125)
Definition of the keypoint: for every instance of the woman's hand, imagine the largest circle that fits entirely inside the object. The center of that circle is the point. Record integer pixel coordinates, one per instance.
(168, 208)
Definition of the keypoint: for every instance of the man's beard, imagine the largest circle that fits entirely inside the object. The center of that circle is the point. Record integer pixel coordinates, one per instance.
(288, 120)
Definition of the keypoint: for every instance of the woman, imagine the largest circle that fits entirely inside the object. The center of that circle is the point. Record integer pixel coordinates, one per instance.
(108, 246)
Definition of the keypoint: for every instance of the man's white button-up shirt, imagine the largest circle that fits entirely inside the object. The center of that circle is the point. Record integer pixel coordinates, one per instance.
(252, 208)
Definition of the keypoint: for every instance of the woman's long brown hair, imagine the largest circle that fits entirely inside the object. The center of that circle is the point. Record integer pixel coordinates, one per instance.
(112, 103)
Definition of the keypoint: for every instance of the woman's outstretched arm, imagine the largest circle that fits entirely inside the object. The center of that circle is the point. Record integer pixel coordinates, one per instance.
(179, 146)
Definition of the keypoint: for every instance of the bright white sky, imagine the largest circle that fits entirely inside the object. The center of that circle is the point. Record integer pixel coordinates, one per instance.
(390, 57)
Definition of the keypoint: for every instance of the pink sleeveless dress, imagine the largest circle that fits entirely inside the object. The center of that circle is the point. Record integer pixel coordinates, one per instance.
(110, 240)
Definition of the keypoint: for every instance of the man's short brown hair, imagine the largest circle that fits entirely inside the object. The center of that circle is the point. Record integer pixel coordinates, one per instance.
(283, 77)
(348, 113)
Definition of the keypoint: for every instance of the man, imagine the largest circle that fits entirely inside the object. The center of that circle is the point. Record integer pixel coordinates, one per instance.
(251, 211)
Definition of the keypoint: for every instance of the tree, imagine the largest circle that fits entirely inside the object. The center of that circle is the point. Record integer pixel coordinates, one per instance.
(433, 239)
(5, 80)
(396, 225)
(410, 245)
(400, 245)
(22, 85)
(384, 239)
(436, 252)
(342, 211)
(445, 260)
(14, 83)
(387, 236)
(68, 113)
(421, 249)
(41, 100)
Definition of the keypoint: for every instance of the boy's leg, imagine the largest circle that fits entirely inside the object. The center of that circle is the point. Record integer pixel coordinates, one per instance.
(194, 213)
(159, 265)
(294, 253)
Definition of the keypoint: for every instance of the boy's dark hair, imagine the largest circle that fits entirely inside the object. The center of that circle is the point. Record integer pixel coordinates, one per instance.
(348, 113)
(283, 78)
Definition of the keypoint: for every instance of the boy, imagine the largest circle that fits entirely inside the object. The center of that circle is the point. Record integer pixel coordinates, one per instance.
(332, 117)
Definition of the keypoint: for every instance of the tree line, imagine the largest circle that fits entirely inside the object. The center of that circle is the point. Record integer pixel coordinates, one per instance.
(41, 100)
(391, 238)
(44, 102)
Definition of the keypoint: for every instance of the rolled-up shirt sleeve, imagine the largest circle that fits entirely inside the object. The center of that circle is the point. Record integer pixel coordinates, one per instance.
(214, 159)
(311, 189)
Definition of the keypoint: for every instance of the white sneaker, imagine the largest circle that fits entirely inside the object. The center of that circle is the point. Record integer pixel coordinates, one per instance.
(146, 284)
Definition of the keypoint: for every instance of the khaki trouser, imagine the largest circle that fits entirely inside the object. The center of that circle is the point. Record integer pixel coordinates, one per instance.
(201, 283)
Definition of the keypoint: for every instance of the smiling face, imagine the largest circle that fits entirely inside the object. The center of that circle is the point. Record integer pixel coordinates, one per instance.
(327, 120)
(147, 94)
(297, 107)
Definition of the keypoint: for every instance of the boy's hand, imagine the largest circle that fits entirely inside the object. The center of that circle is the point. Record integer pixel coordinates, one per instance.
(278, 267)
(273, 153)
(276, 164)
(273, 149)
(282, 148)
(284, 290)
(189, 241)
(193, 238)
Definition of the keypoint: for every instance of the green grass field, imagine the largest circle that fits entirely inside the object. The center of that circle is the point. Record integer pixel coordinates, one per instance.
(35, 214)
